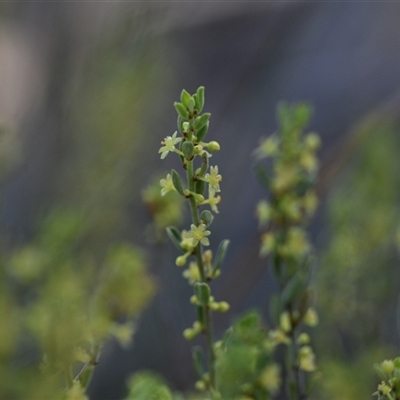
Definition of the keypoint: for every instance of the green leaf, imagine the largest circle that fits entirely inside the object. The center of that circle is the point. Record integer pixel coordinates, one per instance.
(200, 186)
(201, 120)
(275, 308)
(221, 254)
(187, 149)
(304, 302)
(176, 180)
(181, 110)
(175, 236)
(204, 165)
(179, 123)
(185, 97)
(199, 99)
(201, 133)
(381, 373)
(293, 289)
(206, 217)
(198, 361)
(202, 292)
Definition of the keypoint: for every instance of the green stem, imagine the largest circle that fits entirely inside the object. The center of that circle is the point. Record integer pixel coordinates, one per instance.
(207, 312)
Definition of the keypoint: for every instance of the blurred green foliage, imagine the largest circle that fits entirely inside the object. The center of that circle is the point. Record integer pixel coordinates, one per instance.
(61, 305)
(358, 279)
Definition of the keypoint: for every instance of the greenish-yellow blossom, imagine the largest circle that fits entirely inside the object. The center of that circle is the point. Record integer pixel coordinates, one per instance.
(213, 178)
(213, 201)
(307, 359)
(268, 147)
(169, 145)
(270, 378)
(285, 322)
(268, 243)
(167, 185)
(384, 388)
(311, 317)
(388, 367)
(278, 336)
(263, 212)
(198, 234)
(312, 141)
(304, 338)
(192, 273)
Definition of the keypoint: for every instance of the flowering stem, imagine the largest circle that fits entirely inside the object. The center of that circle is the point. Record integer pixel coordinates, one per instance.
(207, 328)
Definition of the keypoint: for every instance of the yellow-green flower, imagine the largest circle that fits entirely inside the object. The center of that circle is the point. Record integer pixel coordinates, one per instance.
(192, 273)
(270, 378)
(198, 234)
(384, 388)
(213, 179)
(169, 145)
(213, 201)
(167, 185)
(307, 359)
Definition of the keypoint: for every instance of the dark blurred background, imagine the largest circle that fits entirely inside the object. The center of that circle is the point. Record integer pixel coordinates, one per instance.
(86, 94)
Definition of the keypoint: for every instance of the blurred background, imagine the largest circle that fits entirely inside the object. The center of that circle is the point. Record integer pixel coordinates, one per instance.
(86, 94)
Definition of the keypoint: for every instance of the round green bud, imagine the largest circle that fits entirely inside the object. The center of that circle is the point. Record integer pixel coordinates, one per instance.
(223, 306)
(388, 367)
(198, 149)
(303, 339)
(193, 300)
(312, 141)
(189, 334)
(198, 197)
(180, 261)
(200, 385)
(213, 306)
(214, 146)
(185, 126)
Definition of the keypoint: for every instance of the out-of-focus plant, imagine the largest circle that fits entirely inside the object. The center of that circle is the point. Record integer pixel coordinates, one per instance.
(359, 267)
(62, 304)
(289, 177)
(389, 372)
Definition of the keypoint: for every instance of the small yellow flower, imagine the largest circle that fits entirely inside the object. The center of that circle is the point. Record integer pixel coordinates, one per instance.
(167, 185)
(192, 273)
(311, 317)
(169, 145)
(198, 234)
(270, 378)
(384, 388)
(213, 179)
(307, 359)
(213, 201)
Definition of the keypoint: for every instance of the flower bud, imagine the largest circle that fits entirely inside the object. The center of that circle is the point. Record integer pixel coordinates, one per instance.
(180, 261)
(214, 146)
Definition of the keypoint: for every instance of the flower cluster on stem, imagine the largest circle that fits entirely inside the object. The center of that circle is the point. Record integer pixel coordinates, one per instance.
(200, 188)
(289, 177)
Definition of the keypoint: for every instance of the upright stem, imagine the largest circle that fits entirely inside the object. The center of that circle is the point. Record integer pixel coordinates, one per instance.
(199, 259)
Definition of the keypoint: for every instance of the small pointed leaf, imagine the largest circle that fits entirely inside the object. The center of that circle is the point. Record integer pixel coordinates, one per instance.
(176, 180)
(202, 292)
(185, 97)
(199, 99)
(201, 133)
(201, 120)
(181, 110)
(175, 236)
(221, 253)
